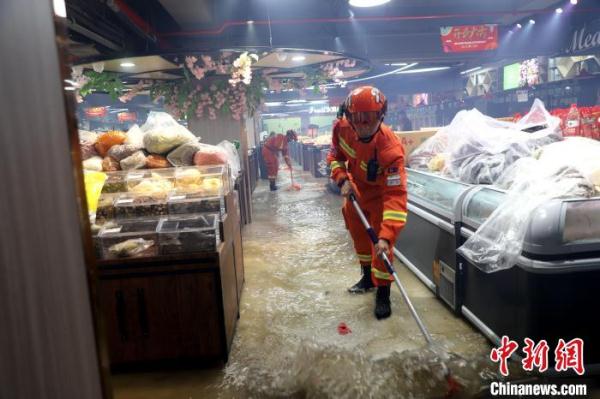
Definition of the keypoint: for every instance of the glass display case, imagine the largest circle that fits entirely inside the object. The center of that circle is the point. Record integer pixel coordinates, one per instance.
(434, 191)
(480, 204)
(203, 180)
(186, 203)
(129, 239)
(185, 234)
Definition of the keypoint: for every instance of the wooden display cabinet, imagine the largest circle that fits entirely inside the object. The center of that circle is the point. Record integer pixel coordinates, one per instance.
(175, 309)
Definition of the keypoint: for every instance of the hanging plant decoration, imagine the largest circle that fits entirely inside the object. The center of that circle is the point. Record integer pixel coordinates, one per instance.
(108, 82)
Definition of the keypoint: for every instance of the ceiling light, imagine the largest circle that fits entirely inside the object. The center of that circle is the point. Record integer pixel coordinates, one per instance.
(127, 64)
(298, 58)
(574, 2)
(470, 70)
(296, 101)
(532, 21)
(273, 104)
(397, 64)
(250, 22)
(60, 10)
(69, 88)
(559, 10)
(367, 3)
(519, 26)
(422, 70)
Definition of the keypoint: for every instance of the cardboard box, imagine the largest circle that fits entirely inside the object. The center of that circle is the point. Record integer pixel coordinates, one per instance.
(414, 138)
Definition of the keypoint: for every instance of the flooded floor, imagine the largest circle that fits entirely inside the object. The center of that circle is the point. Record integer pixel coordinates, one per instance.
(299, 260)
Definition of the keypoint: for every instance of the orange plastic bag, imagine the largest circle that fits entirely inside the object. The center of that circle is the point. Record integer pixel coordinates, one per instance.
(157, 161)
(109, 139)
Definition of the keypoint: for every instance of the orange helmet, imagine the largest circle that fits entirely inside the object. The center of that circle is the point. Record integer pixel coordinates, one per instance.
(365, 99)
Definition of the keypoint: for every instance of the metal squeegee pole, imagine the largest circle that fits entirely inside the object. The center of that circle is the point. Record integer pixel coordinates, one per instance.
(391, 270)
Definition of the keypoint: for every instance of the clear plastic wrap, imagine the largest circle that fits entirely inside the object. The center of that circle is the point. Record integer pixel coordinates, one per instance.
(162, 133)
(566, 169)
(233, 157)
(477, 149)
(210, 155)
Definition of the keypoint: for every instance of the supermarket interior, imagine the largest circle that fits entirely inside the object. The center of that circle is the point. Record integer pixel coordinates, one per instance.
(299, 199)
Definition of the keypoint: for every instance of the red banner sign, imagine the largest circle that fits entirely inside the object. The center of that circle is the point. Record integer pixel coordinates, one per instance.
(467, 38)
(96, 112)
(126, 117)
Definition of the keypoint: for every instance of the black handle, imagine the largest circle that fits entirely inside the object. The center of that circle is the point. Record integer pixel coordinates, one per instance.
(143, 312)
(121, 315)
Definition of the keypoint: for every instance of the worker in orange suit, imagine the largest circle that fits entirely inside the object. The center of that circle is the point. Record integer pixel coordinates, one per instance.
(367, 159)
(270, 152)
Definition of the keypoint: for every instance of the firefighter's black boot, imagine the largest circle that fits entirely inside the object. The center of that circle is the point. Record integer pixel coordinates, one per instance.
(365, 284)
(272, 185)
(383, 307)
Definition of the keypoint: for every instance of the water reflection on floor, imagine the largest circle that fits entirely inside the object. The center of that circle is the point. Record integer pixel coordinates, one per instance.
(299, 261)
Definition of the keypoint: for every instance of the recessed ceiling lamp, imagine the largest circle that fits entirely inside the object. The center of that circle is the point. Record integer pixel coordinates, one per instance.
(127, 64)
(367, 3)
(532, 21)
(250, 22)
(298, 58)
(574, 2)
(519, 26)
(422, 70)
(559, 10)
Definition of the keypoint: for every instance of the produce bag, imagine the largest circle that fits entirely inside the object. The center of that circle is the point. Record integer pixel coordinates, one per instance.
(184, 154)
(93, 181)
(157, 161)
(135, 161)
(135, 137)
(122, 151)
(93, 164)
(566, 169)
(107, 140)
(110, 164)
(210, 155)
(163, 133)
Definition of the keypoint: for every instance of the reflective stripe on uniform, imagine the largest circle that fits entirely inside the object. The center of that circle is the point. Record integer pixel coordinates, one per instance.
(398, 216)
(363, 166)
(364, 257)
(336, 164)
(381, 275)
(347, 148)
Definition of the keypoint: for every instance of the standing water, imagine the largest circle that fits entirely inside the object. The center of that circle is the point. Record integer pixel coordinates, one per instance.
(299, 261)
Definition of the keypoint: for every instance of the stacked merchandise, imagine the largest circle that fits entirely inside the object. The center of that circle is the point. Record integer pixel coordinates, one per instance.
(529, 158)
(155, 190)
(159, 212)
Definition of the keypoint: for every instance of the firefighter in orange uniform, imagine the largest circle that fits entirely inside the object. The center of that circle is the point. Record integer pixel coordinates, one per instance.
(270, 152)
(367, 159)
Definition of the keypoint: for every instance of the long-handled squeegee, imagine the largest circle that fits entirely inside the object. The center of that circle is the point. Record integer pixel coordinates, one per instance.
(390, 269)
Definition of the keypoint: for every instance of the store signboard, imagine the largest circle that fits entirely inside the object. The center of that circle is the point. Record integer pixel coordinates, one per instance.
(522, 96)
(585, 39)
(96, 112)
(468, 38)
(126, 117)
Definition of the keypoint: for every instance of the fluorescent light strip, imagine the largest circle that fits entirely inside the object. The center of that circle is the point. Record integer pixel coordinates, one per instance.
(470, 70)
(367, 3)
(422, 70)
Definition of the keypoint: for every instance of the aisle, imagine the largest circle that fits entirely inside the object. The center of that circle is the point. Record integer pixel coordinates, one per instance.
(299, 261)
